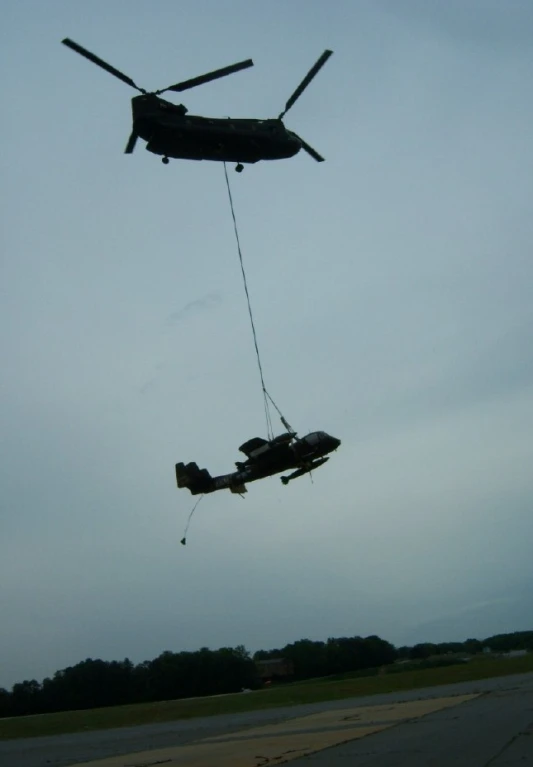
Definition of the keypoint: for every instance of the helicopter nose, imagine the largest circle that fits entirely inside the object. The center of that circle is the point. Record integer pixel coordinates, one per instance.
(294, 139)
(331, 443)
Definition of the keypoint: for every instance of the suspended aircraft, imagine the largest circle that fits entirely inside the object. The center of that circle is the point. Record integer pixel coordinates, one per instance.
(265, 458)
(170, 131)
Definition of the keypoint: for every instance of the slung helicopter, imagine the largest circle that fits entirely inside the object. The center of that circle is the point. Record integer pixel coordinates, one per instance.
(264, 459)
(170, 131)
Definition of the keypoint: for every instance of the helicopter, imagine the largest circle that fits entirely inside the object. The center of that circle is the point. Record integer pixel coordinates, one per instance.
(170, 131)
(265, 458)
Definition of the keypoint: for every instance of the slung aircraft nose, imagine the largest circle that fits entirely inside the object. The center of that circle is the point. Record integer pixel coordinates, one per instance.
(328, 442)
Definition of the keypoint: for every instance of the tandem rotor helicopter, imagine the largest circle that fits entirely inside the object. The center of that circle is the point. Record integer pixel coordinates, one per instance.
(171, 132)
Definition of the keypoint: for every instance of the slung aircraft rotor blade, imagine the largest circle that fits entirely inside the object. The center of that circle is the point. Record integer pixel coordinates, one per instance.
(130, 146)
(194, 81)
(309, 149)
(99, 62)
(305, 82)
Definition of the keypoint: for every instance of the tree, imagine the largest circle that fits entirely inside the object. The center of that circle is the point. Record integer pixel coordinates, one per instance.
(5, 703)
(518, 640)
(380, 652)
(309, 658)
(94, 683)
(422, 651)
(472, 646)
(24, 698)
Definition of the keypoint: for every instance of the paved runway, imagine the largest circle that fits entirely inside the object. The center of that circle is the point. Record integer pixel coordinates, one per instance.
(488, 723)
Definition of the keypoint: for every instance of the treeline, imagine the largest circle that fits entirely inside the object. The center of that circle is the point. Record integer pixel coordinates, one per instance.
(336, 656)
(499, 643)
(98, 683)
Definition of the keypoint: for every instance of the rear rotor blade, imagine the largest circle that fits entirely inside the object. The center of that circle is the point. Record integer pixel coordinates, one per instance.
(309, 149)
(99, 62)
(130, 146)
(194, 81)
(305, 82)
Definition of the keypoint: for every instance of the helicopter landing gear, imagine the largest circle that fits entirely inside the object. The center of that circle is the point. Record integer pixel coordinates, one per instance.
(165, 160)
(239, 167)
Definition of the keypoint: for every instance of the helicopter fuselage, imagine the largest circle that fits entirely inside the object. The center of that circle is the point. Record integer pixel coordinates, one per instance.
(171, 132)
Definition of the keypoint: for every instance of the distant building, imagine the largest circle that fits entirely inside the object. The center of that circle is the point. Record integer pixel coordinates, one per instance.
(275, 668)
(508, 654)
(515, 653)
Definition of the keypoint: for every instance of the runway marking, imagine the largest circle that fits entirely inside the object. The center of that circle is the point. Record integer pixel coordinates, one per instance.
(281, 743)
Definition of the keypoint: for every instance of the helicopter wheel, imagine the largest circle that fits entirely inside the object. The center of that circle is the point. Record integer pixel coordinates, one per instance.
(239, 168)
(165, 160)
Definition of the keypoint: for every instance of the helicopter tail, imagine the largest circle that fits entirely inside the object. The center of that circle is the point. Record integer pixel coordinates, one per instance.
(194, 479)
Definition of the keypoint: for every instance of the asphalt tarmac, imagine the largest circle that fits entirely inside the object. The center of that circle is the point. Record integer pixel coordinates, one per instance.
(488, 723)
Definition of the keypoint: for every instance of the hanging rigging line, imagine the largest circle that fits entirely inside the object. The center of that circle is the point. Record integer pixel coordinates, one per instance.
(184, 539)
(266, 396)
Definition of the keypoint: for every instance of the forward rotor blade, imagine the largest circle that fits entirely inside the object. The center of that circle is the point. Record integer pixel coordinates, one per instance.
(194, 81)
(130, 146)
(99, 62)
(305, 82)
(309, 149)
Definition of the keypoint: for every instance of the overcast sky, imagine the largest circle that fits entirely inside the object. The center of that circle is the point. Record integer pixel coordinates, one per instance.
(392, 295)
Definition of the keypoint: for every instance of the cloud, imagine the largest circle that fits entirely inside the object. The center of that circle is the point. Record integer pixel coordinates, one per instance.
(193, 307)
(198, 305)
(500, 368)
(150, 383)
(485, 22)
(500, 614)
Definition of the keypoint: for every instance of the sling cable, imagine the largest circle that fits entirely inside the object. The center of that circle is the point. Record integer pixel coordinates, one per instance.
(267, 399)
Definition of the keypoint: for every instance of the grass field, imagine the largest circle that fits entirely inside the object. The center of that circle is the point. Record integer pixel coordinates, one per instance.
(311, 691)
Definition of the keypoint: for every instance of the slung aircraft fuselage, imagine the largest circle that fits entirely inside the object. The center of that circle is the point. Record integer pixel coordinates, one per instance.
(264, 459)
